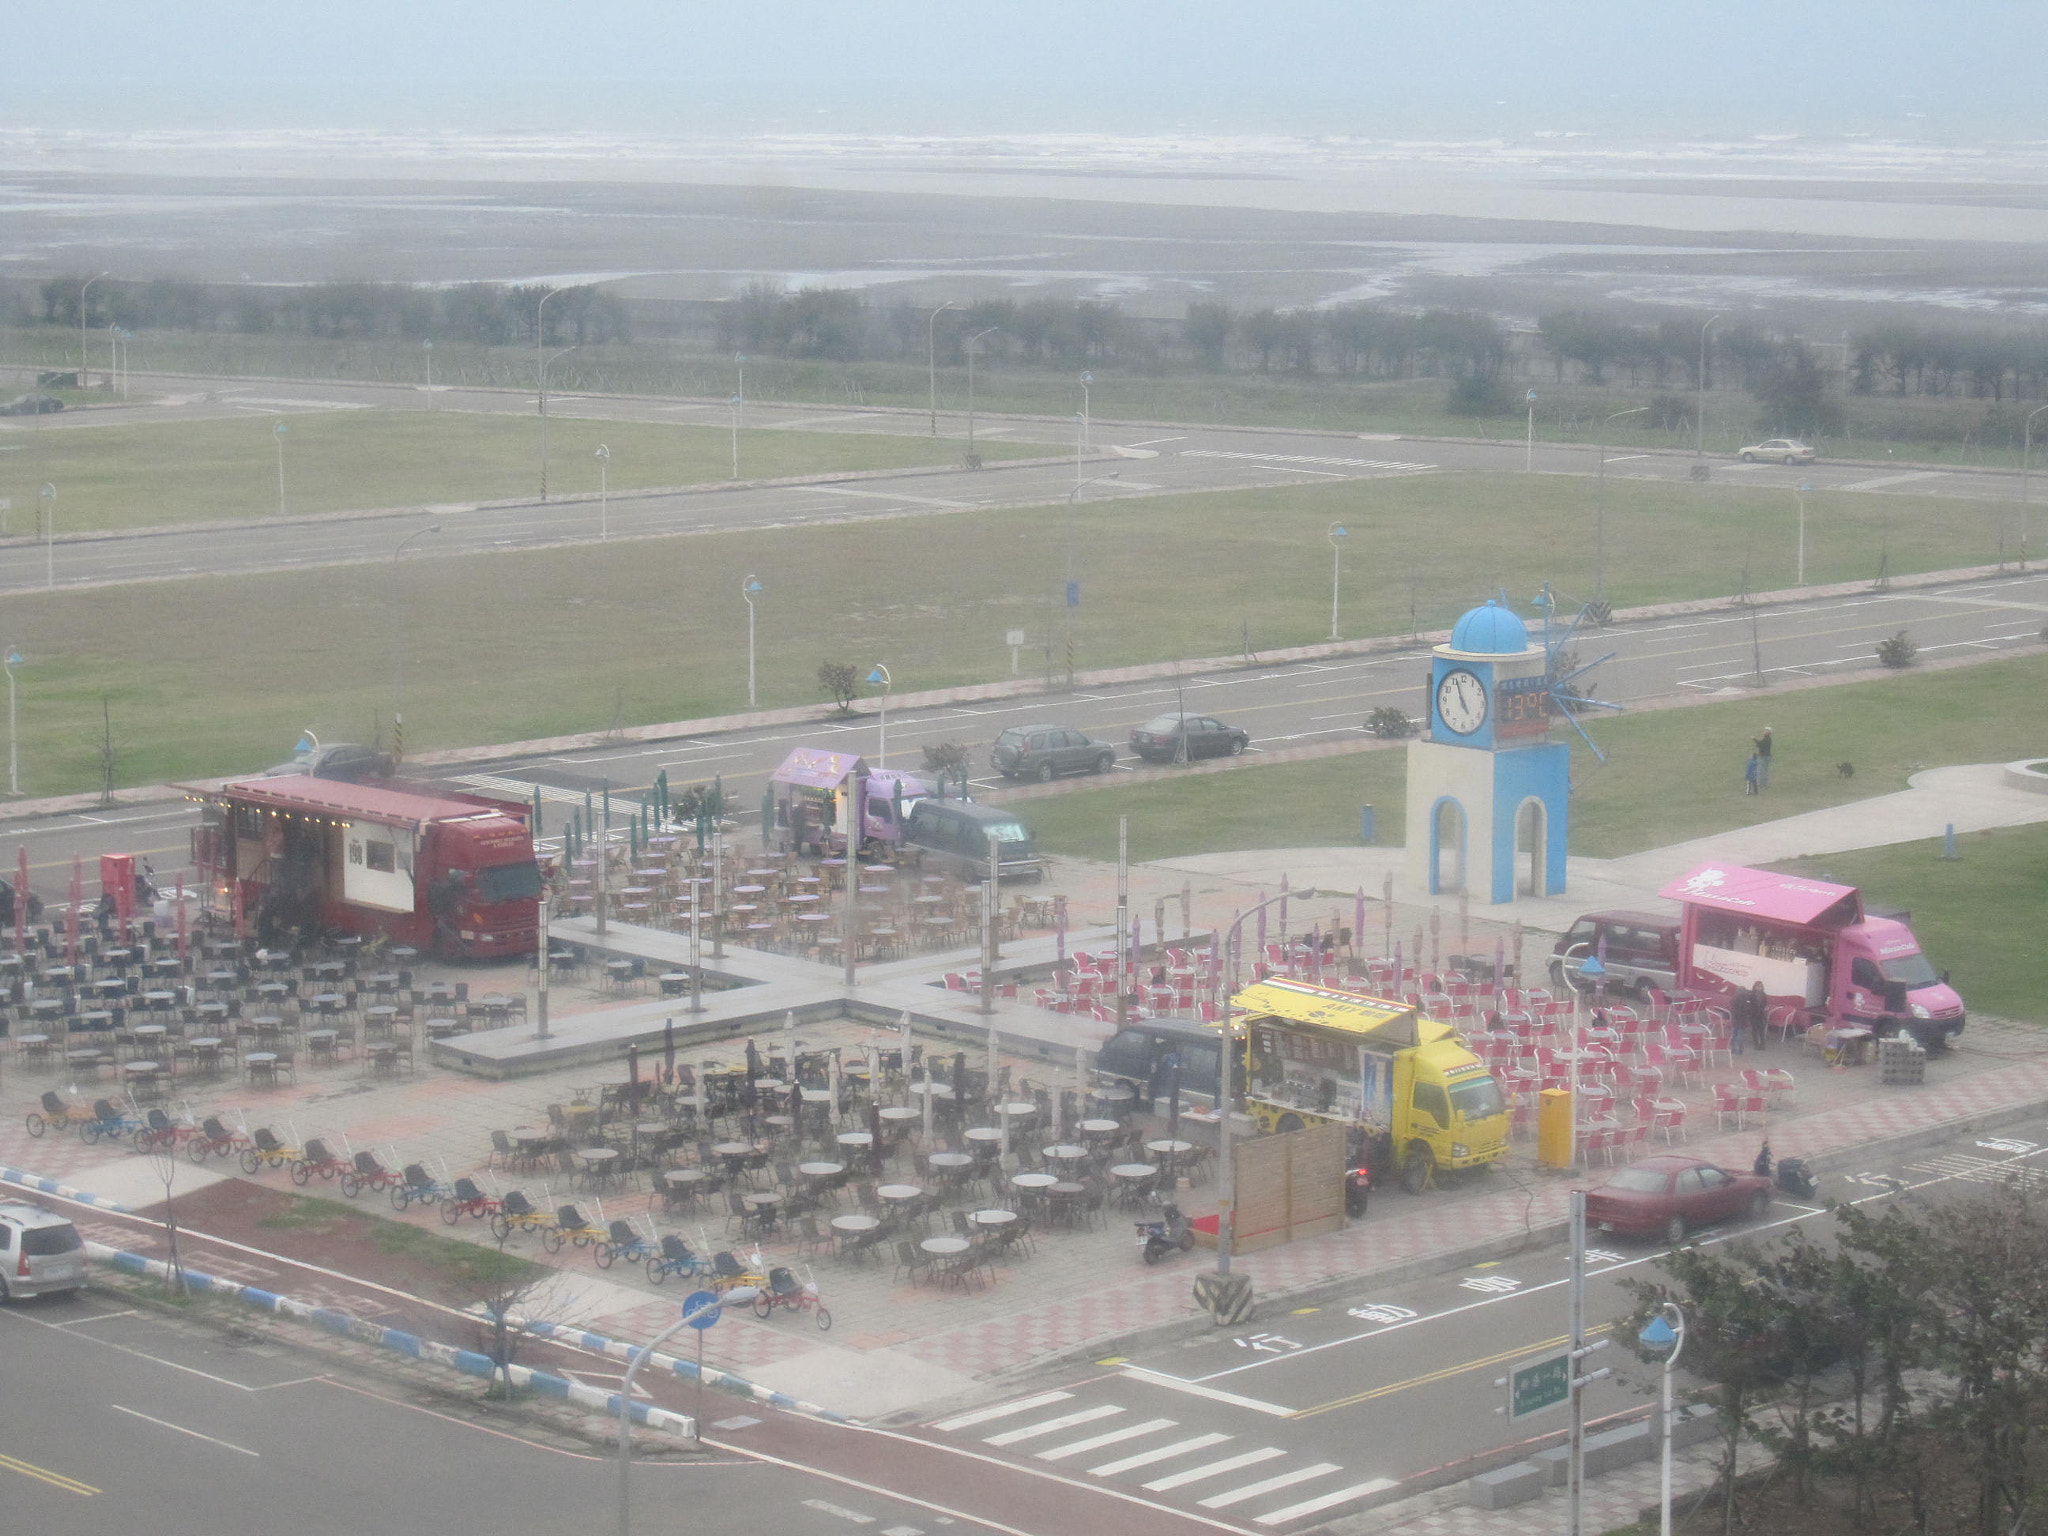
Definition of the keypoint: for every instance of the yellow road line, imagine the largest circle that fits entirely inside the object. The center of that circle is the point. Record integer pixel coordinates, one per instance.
(44, 1474)
(1520, 1351)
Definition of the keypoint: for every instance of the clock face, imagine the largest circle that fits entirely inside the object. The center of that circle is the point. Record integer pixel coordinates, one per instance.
(1461, 701)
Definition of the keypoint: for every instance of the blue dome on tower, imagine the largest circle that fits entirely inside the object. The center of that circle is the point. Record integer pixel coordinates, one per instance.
(1490, 630)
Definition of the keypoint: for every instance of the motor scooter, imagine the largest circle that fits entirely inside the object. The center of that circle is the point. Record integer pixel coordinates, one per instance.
(1159, 1238)
(1357, 1186)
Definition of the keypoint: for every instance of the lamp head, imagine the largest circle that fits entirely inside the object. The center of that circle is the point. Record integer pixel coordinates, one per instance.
(1658, 1337)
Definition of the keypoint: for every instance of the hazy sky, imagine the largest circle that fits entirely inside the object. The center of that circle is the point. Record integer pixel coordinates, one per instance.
(1422, 67)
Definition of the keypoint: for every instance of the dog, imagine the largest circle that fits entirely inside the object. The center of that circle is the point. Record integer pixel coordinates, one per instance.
(1845, 770)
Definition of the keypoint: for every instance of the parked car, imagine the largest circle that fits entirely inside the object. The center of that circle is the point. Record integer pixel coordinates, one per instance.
(954, 835)
(31, 405)
(1785, 450)
(347, 761)
(1672, 1193)
(1040, 751)
(40, 1252)
(1639, 950)
(1160, 739)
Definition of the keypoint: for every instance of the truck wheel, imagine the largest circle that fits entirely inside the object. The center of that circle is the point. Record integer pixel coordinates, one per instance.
(1287, 1123)
(1418, 1169)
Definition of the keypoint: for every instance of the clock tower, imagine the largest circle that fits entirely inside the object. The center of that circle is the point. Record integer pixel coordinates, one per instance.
(1488, 790)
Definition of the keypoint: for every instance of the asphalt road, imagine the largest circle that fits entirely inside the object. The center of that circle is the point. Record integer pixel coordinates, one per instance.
(1392, 1390)
(1143, 458)
(119, 1420)
(1708, 654)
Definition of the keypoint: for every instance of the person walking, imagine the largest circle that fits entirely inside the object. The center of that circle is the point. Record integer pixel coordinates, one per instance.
(1752, 775)
(1763, 753)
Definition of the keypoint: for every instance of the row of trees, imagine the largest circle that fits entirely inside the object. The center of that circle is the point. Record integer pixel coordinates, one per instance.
(1979, 362)
(487, 314)
(1899, 1374)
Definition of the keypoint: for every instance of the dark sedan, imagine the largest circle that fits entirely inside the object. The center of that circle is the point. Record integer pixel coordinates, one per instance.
(1174, 738)
(1671, 1194)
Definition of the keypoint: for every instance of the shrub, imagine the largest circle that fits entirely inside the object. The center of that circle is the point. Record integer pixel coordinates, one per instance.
(1481, 394)
(1898, 651)
(1389, 722)
(840, 681)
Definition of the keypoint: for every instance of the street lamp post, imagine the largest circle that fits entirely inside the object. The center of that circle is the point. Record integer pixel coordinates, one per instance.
(1338, 533)
(1072, 595)
(604, 493)
(1600, 507)
(83, 289)
(931, 359)
(879, 675)
(278, 432)
(971, 463)
(1700, 415)
(427, 352)
(1226, 1097)
(13, 736)
(1086, 442)
(733, 405)
(1529, 438)
(750, 589)
(1664, 1335)
(47, 496)
(1804, 487)
(2026, 465)
(398, 644)
(738, 1296)
(540, 375)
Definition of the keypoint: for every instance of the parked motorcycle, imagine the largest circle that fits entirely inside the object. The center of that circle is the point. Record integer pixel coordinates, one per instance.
(1170, 1233)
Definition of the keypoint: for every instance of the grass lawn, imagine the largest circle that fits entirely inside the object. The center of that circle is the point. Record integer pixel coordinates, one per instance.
(1670, 775)
(151, 473)
(218, 675)
(1977, 916)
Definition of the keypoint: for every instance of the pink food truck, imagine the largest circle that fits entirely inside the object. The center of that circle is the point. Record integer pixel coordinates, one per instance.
(1813, 947)
(809, 802)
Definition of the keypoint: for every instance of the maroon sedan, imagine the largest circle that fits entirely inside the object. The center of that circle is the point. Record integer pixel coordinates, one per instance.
(1671, 1194)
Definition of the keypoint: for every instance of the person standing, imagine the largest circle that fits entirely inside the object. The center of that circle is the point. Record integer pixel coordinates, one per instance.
(1763, 753)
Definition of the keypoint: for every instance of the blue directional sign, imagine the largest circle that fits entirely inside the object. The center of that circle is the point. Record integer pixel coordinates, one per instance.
(708, 1300)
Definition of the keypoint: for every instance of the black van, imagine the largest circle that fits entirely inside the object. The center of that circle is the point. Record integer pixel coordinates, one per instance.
(954, 835)
(1137, 1056)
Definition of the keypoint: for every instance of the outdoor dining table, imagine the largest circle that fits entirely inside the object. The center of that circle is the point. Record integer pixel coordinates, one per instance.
(1133, 1180)
(149, 1034)
(260, 1065)
(900, 1194)
(1066, 1152)
(33, 1047)
(1017, 1109)
(821, 1170)
(939, 1092)
(988, 1134)
(899, 1113)
(860, 1141)
(1104, 1128)
(599, 1163)
(945, 1247)
(856, 1222)
(943, 1161)
(159, 1001)
(1034, 1185)
(992, 1218)
(1169, 1150)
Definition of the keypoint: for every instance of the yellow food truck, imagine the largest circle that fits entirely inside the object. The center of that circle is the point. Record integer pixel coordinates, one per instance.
(1321, 1056)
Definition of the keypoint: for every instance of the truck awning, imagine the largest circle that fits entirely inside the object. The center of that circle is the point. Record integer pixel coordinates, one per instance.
(304, 796)
(1389, 1024)
(1760, 893)
(814, 768)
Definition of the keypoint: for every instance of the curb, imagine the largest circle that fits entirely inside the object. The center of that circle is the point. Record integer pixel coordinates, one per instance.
(687, 1369)
(41, 1185)
(410, 1345)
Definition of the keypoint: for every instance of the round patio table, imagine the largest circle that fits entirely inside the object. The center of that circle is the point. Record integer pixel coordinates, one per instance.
(1066, 1152)
(1017, 1109)
(821, 1170)
(899, 1112)
(901, 1193)
(1033, 1181)
(988, 1133)
(945, 1247)
(950, 1160)
(855, 1221)
(938, 1091)
(992, 1218)
(1100, 1127)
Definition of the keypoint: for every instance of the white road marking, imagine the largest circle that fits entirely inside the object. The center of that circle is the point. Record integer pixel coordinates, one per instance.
(923, 501)
(1154, 441)
(825, 1507)
(181, 1429)
(1214, 1469)
(1299, 458)
(1253, 1490)
(1884, 480)
(1002, 1410)
(1325, 1501)
(1163, 1453)
(1052, 1426)
(1094, 1442)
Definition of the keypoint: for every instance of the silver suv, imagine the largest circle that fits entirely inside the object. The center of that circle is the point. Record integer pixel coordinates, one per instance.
(40, 1252)
(1040, 751)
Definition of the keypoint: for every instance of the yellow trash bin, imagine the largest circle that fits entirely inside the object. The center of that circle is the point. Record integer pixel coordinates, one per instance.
(1554, 1147)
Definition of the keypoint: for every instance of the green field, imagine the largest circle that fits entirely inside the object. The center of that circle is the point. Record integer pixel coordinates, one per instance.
(151, 473)
(221, 674)
(1670, 775)
(1977, 916)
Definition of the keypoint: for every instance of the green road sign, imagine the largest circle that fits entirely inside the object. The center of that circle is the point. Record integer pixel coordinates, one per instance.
(1539, 1385)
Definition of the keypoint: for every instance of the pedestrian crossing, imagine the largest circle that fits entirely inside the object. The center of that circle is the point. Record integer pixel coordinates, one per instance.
(521, 789)
(1980, 1170)
(1053, 1427)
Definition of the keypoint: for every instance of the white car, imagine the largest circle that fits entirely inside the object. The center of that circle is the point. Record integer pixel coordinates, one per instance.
(1783, 450)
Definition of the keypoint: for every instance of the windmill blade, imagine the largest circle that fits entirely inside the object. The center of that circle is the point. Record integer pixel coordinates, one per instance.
(1576, 673)
(1591, 745)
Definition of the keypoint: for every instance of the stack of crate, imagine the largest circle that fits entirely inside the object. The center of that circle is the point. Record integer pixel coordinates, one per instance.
(1901, 1062)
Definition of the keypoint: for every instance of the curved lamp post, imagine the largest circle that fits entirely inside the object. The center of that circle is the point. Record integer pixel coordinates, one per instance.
(1600, 506)
(750, 589)
(879, 675)
(738, 1296)
(970, 388)
(1804, 487)
(1664, 1335)
(398, 644)
(604, 493)
(2026, 465)
(931, 358)
(278, 432)
(47, 495)
(1700, 415)
(1072, 595)
(83, 289)
(1338, 533)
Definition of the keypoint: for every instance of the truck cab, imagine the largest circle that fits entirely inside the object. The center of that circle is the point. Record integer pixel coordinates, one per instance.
(1888, 985)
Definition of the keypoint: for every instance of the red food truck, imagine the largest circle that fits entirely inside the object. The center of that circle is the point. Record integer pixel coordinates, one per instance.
(435, 868)
(1812, 946)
